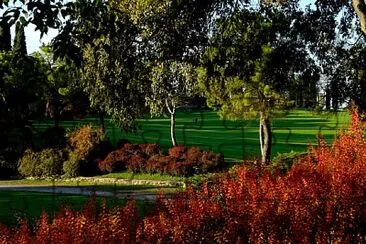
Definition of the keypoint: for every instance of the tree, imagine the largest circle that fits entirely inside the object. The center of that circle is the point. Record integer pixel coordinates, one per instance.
(173, 34)
(65, 98)
(172, 85)
(249, 67)
(20, 46)
(5, 36)
(112, 71)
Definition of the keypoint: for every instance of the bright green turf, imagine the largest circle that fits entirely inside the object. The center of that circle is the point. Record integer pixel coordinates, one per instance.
(235, 139)
(29, 205)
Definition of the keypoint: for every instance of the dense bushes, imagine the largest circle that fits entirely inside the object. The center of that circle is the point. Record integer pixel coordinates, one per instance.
(47, 162)
(87, 144)
(321, 199)
(148, 158)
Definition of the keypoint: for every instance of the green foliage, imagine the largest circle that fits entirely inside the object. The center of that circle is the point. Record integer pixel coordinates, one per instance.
(5, 36)
(284, 161)
(46, 163)
(20, 46)
(71, 166)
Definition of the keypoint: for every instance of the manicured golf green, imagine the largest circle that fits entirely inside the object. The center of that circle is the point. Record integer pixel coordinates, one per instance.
(235, 139)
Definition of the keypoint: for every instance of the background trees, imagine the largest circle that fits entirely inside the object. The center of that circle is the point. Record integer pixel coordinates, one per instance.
(253, 60)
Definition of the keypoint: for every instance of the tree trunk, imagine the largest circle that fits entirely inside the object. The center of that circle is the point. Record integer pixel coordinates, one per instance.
(101, 120)
(172, 129)
(359, 7)
(265, 138)
(171, 110)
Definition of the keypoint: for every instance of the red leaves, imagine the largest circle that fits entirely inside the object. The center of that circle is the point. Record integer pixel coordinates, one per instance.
(320, 200)
(148, 158)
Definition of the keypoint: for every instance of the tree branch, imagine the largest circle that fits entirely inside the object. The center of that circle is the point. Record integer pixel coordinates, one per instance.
(360, 9)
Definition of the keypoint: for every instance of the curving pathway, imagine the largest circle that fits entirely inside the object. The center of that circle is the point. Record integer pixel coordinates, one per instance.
(138, 195)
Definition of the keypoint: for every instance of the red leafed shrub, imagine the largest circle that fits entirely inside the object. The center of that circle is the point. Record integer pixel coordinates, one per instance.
(136, 164)
(158, 164)
(178, 152)
(148, 158)
(150, 149)
(115, 161)
(321, 199)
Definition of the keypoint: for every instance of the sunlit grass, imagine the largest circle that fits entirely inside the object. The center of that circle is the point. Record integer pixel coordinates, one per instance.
(235, 139)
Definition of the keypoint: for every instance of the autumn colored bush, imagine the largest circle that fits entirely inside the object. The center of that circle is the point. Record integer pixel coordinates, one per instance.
(148, 158)
(116, 225)
(321, 199)
(84, 139)
(87, 144)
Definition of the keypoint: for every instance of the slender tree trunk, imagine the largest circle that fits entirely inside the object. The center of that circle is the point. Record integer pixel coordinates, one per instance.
(265, 138)
(171, 110)
(172, 129)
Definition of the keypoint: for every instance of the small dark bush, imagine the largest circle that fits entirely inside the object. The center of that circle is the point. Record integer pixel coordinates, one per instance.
(150, 149)
(284, 161)
(136, 164)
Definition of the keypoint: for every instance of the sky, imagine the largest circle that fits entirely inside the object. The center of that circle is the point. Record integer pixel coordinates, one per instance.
(33, 38)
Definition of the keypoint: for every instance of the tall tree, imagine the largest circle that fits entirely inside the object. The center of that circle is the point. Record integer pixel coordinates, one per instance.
(172, 85)
(20, 45)
(106, 41)
(250, 64)
(5, 36)
(173, 34)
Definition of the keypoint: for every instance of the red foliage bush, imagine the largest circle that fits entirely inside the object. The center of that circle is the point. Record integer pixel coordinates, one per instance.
(108, 226)
(148, 158)
(115, 161)
(178, 152)
(320, 200)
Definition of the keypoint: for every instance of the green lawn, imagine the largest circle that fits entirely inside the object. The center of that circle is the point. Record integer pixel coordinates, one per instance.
(235, 139)
(29, 205)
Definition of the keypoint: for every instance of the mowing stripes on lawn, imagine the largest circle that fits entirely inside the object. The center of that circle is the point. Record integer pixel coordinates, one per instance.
(235, 139)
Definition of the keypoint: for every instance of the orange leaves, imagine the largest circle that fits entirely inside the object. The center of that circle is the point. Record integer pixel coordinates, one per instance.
(321, 199)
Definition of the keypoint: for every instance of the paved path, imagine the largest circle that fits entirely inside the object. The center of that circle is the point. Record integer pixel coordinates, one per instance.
(138, 195)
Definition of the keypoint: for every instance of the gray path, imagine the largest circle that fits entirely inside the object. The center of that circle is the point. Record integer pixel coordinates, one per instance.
(148, 196)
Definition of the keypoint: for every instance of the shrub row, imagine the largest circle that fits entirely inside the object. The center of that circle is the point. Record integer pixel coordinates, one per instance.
(321, 199)
(149, 158)
(86, 144)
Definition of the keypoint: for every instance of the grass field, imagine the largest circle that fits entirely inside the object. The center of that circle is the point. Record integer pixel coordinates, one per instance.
(235, 139)
(29, 205)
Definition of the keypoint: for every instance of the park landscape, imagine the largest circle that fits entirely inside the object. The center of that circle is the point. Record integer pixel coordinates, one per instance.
(183, 122)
